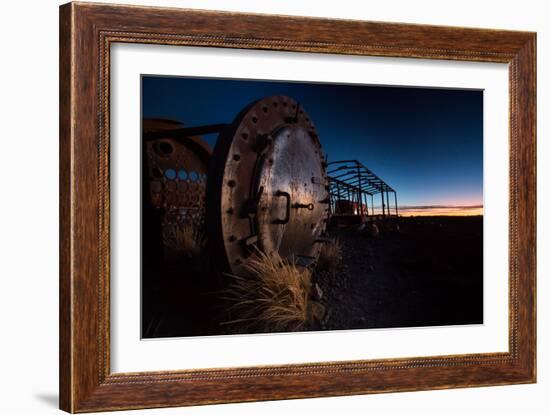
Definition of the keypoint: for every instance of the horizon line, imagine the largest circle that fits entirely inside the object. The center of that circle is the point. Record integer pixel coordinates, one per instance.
(441, 207)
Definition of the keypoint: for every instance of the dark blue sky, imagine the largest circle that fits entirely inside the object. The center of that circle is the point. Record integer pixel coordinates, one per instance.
(425, 143)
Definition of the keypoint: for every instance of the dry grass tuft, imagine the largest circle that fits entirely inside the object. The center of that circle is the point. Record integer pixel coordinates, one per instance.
(330, 256)
(184, 239)
(273, 297)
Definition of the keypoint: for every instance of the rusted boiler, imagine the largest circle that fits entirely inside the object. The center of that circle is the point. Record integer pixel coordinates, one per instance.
(264, 186)
(268, 187)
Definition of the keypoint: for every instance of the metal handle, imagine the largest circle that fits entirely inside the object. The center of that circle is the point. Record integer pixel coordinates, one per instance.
(308, 206)
(286, 195)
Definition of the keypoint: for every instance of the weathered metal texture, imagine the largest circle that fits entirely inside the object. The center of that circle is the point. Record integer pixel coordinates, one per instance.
(176, 184)
(269, 185)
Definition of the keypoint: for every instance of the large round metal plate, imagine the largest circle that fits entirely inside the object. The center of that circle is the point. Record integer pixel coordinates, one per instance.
(267, 185)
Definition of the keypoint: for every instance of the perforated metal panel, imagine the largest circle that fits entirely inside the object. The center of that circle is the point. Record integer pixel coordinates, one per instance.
(177, 169)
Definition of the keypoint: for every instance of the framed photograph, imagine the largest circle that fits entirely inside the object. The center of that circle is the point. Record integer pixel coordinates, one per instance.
(258, 207)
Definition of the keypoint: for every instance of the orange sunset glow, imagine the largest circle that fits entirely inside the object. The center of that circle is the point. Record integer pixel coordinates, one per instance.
(441, 210)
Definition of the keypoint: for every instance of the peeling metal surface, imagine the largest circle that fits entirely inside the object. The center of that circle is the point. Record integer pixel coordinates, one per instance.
(268, 184)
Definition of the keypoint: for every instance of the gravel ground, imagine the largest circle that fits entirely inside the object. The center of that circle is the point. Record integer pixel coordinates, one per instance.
(428, 273)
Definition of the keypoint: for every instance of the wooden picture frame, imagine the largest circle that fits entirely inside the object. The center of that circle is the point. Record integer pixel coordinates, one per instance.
(86, 33)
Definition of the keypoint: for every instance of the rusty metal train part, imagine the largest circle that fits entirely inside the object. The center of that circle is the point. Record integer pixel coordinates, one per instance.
(176, 166)
(268, 186)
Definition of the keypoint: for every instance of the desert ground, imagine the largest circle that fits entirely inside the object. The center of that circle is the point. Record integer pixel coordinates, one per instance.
(427, 273)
